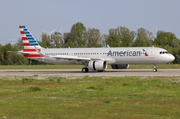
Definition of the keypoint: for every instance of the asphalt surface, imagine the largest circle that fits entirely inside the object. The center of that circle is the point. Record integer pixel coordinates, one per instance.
(77, 72)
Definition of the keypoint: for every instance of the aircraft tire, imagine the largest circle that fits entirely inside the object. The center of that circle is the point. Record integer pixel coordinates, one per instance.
(84, 70)
(154, 70)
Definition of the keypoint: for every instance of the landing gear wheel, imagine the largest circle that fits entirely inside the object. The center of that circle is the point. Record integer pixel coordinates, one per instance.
(84, 70)
(154, 70)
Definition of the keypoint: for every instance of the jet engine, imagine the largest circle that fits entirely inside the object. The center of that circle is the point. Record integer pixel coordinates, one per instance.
(98, 65)
(120, 66)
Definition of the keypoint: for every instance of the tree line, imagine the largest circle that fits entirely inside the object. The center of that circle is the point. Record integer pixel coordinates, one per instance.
(79, 36)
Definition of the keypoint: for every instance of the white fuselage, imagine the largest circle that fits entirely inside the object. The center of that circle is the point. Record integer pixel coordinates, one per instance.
(116, 55)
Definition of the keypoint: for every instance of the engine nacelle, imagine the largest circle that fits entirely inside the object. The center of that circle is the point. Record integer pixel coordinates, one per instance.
(98, 65)
(120, 66)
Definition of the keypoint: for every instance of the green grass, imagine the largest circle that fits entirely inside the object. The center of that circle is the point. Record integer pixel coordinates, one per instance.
(89, 97)
(160, 66)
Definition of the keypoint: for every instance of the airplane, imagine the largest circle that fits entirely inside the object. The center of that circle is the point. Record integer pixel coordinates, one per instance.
(93, 58)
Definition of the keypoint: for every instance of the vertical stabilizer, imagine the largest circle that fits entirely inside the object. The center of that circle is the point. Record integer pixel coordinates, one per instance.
(29, 42)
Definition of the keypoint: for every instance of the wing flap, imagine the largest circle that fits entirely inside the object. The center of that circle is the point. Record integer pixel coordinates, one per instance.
(71, 58)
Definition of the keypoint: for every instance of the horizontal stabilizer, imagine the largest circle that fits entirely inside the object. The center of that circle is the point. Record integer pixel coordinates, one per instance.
(12, 51)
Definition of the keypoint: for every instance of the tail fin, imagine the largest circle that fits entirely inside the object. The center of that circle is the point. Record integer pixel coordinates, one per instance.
(29, 42)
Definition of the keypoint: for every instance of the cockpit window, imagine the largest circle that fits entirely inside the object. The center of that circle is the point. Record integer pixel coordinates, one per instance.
(164, 52)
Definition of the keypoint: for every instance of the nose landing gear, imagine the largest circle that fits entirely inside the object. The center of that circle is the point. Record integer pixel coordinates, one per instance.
(154, 69)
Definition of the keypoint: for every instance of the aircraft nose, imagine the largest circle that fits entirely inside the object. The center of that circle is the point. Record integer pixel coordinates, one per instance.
(171, 58)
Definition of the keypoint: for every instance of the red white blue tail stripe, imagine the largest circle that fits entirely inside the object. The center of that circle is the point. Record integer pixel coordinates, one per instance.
(29, 42)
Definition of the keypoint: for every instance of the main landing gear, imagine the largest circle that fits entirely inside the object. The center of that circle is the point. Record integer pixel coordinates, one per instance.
(85, 69)
(155, 69)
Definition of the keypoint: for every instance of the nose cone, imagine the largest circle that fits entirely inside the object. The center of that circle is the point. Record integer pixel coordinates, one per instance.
(171, 58)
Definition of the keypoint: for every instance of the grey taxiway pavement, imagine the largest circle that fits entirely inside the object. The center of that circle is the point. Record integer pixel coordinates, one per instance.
(77, 72)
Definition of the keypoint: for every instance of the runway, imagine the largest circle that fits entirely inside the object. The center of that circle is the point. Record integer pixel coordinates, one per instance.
(77, 72)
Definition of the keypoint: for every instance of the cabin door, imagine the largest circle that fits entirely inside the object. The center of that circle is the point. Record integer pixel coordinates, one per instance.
(151, 53)
(71, 53)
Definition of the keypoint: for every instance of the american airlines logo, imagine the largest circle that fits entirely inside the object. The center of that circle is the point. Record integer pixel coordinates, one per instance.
(126, 53)
(145, 52)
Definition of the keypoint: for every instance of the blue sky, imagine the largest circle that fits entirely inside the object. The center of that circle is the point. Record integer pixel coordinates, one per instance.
(39, 15)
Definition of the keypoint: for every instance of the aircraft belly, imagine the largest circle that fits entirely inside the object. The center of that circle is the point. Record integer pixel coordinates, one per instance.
(134, 60)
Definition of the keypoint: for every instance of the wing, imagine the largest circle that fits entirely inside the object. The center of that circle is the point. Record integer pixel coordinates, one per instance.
(77, 58)
(67, 57)
(71, 58)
